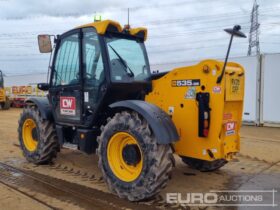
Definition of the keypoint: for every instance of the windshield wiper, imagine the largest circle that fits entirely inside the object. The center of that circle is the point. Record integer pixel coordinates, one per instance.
(129, 72)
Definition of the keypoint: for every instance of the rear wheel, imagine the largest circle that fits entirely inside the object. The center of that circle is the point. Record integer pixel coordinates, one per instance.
(134, 166)
(37, 137)
(204, 165)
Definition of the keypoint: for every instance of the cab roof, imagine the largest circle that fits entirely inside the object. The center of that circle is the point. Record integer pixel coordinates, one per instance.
(109, 25)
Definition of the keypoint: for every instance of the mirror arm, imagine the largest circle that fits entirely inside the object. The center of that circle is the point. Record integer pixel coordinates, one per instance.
(226, 60)
(56, 39)
(235, 31)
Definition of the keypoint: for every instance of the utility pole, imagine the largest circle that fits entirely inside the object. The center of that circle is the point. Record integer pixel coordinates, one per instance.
(254, 44)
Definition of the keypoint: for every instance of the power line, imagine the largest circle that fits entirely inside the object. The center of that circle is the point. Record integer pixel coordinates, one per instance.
(158, 25)
(191, 48)
(23, 55)
(229, 15)
(25, 59)
(198, 59)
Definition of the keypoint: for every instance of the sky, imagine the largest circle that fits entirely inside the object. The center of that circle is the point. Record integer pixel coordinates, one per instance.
(181, 30)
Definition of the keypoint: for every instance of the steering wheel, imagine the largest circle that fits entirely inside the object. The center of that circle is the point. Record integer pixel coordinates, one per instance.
(89, 76)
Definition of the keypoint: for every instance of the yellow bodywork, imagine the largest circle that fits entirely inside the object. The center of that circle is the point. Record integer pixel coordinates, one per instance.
(226, 103)
(102, 26)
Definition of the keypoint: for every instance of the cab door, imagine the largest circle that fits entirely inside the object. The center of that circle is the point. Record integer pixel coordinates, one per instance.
(65, 93)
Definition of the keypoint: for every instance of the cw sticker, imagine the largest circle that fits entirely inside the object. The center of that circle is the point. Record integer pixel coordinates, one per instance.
(67, 105)
(230, 128)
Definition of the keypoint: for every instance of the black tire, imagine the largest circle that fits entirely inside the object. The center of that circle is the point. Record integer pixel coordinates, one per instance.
(158, 160)
(2, 104)
(7, 104)
(47, 146)
(204, 165)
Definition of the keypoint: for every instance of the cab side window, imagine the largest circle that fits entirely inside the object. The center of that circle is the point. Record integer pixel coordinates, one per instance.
(66, 68)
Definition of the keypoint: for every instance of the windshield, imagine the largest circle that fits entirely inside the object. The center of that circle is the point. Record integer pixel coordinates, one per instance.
(127, 60)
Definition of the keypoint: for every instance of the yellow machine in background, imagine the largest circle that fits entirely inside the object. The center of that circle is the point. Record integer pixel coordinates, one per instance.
(18, 94)
(4, 100)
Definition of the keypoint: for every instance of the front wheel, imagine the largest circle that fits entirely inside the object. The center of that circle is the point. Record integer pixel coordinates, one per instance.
(204, 165)
(134, 166)
(37, 137)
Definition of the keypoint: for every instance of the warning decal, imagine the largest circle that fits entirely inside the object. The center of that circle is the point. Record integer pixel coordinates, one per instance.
(67, 105)
(230, 128)
(217, 89)
(227, 116)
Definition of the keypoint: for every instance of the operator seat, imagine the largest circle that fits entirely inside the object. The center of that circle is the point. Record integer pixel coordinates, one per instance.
(118, 71)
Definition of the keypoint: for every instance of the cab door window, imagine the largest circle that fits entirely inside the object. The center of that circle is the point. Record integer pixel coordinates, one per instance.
(66, 68)
(94, 75)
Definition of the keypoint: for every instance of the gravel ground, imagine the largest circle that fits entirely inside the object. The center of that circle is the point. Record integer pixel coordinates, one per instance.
(257, 167)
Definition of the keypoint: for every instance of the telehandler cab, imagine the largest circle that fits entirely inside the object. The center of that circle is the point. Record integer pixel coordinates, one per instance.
(4, 100)
(103, 97)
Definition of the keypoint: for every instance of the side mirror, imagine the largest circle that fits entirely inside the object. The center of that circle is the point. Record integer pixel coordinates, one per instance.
(45, 43)
(43, 86)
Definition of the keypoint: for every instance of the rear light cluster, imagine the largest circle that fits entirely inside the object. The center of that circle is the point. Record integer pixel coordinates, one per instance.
(203, 114)
(206, 124)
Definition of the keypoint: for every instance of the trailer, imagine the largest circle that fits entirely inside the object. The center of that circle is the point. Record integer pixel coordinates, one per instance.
(18, 94)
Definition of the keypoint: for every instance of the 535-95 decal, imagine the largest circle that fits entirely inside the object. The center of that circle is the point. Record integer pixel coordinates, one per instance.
(185, 82)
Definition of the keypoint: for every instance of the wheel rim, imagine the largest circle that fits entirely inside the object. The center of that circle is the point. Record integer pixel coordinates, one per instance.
(29, 134)
(118, 164)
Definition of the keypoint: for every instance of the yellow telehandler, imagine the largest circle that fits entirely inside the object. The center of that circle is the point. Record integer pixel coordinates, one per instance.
(103, 97)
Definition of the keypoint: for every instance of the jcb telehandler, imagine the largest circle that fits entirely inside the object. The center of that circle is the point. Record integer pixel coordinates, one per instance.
(4, 100)
(103, 97)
